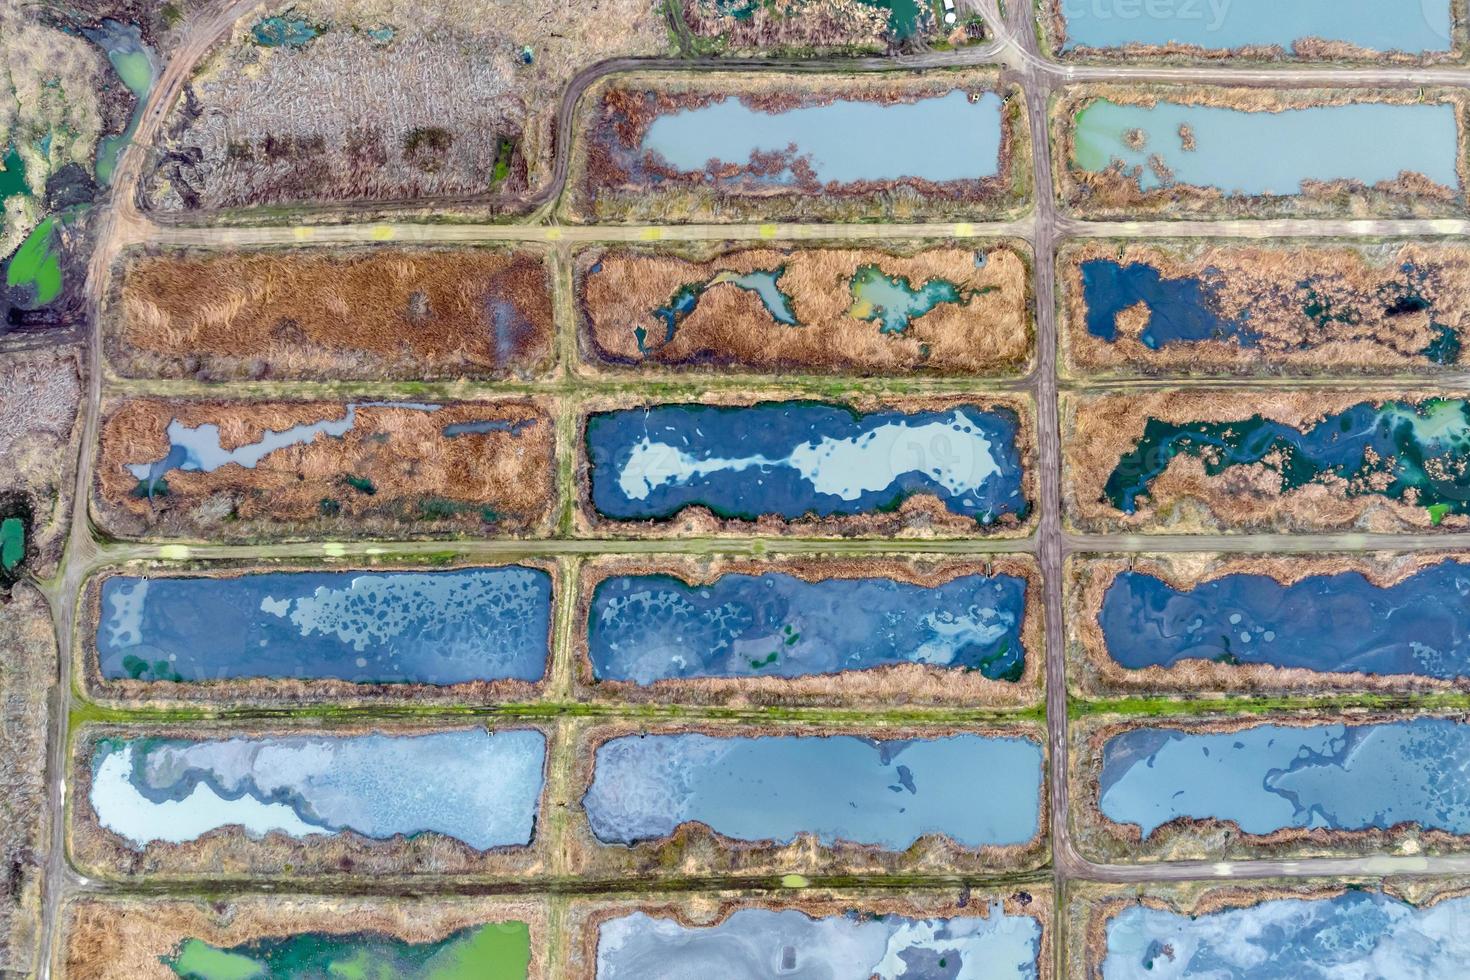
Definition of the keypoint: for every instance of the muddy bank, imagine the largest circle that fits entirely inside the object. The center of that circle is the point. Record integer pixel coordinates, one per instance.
(946, 310)
(620, 176)
(167, 658)
(331, 314)
(1226, 658)
(694, 847)
(891, 685)
(39, 394)
(1194, 307)
(1115, 189)
(354, 469)
(122, 938)
(1204, 461)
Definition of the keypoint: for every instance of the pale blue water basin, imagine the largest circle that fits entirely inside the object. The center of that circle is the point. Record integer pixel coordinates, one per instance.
(941, 138)
(478, 787)
(758, 943)
(1339, 623)
(976, 790)
(647, 628)
(1271, 153)
(1358, 934)
(1273, 777)
(1411, 26)
(453, 627)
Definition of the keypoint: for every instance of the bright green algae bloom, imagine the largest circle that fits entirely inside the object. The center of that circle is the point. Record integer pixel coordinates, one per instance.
(494, 951)
(1392, 449)
(36, 264)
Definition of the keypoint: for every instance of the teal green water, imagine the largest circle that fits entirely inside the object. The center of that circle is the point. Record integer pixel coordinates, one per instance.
(893, 302)
(495, 951)
(13, 177)
(285, 31)
(1389, 449)
(12, 543)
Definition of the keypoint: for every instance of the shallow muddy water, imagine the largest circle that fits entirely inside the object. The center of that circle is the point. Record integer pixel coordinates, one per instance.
(1271, 777)
(646, 628)
(1340, 623)
(795, 458)
(1355, 934)
(1412, 26)
(494, 951)
(767, 943)
(940, 138)
(1269, 153)
(1389, 449)
(475, 786)
(475, 624)
(976, 790)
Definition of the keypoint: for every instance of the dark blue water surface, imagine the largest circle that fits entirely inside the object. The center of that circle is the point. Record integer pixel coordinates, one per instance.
(1339, 623)
(791, 459)
(448, 627)
(646, 628)
(1179, 309)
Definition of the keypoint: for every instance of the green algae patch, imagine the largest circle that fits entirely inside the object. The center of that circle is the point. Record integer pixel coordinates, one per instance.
(12, 543)
(36, 264)
(13, 177)
(494, 951)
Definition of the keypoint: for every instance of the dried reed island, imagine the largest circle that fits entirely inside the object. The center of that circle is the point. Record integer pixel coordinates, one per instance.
(1404, 32)
(1203, 625)
(663, 800)
(76, 78)
(1174, 152)
(1008, 932)
(366, 312)
(1208, 461)
(168, 939)
(289, 635)
(1286, 786)
(39, 393)
(1382, 927)
(29, 642)
(705, 148)
(808, 28)
(352, 104)
(930, 467)
(800, 631)
(901, 309)
(405, 804)
(1206, 307)
(238, 471)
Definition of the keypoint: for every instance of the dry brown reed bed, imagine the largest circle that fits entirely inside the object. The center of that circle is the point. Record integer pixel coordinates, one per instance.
(891, 686)
(378, 312)
(988, 332)
(1273, 284)
(394, 471)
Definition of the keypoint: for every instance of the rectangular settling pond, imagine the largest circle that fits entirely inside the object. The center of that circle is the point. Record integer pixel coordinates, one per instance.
(764, 942)
(645, 628)
(1408, 26)
(1356, 933)
(1339, 623)
(1271, 777)
(474, 786)
(798, 459)
(977, 791)
(414, 627)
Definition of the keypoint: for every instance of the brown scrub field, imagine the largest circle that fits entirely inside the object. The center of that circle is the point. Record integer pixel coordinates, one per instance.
(39, 393)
